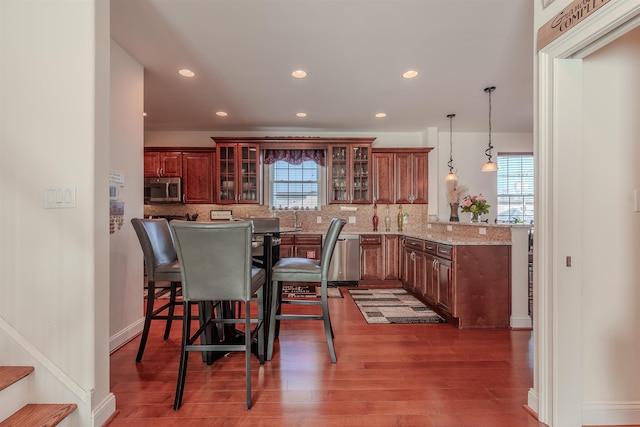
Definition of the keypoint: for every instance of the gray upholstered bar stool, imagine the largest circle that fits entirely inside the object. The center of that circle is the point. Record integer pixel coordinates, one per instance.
(304, 270)
(217, 266)
(161, 263)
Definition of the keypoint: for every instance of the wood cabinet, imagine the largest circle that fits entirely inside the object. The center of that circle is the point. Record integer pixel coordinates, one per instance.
(391, 259)
(301, 245)
(469, 285)
(238, 173)
(349, 173)
(371, 257)
(197, 177)
(412, 178)
(162, 163)
(384, 178)
(400, 175)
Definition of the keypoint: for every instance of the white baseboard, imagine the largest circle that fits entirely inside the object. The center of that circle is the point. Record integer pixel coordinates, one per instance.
(104, 410)
(124, 336)
(520, 322)
(610, 413)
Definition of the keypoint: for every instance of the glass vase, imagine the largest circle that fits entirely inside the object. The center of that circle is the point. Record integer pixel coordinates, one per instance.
(475, 216)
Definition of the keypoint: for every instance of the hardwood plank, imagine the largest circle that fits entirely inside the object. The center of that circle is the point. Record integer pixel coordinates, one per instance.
(40, 415)
(412, 375)
(12, 374)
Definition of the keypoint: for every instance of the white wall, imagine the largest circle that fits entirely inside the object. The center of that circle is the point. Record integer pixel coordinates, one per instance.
(468, 158)
(126, 156)
(53, 132)
(611, 228)
(203, 138)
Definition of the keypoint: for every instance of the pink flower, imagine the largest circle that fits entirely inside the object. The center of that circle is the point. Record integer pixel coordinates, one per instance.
(466, 203)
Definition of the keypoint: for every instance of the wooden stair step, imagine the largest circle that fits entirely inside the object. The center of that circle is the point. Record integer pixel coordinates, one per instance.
(12, 374)
(39, 415)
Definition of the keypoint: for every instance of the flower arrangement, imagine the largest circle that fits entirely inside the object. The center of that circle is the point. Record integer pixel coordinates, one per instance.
(477, 205)
(455, 191)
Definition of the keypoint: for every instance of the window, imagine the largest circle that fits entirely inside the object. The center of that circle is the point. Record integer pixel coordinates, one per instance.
(295, 185)
(515, 187)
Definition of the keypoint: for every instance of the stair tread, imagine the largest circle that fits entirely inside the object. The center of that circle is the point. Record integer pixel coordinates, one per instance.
(12, 374)
(41, 415)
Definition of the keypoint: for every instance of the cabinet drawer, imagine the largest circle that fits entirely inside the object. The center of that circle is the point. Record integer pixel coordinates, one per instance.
(445, 251)
(415, 244)
(308, 239)
(371, 239)
(430, 247)
(286, 239)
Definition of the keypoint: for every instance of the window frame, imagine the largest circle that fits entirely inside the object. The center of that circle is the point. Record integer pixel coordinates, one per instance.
(526, 205)
(268, 186)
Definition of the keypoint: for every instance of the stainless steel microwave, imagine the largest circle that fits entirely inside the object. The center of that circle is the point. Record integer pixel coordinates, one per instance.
(163, 190)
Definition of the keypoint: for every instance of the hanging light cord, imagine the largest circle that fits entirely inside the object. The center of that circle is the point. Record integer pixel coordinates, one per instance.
(450, 163)
(487, 152)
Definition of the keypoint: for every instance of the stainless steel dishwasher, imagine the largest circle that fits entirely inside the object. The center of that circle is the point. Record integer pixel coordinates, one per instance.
(344, 268)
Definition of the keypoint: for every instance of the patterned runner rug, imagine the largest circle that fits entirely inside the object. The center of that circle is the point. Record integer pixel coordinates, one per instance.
(379, 306)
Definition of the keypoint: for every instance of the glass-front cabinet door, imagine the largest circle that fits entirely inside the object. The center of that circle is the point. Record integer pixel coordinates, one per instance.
(249, 173)
(238, 173)
(349, 171)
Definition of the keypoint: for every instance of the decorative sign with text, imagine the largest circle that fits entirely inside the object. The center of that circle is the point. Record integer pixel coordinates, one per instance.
(568, 18)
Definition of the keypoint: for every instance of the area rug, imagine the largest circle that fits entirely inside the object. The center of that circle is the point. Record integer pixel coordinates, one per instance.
(380, 306)
(308, 291)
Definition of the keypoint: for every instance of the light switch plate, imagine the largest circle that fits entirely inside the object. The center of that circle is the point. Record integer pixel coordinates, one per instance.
(352, 220)
(60, 197)
(482, 230)
(637, 201)
(319, 219)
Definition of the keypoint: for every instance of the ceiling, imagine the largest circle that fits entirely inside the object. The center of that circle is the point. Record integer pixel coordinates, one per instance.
(354, 51)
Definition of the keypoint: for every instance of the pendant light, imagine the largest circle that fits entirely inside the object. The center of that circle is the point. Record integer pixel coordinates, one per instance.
(451, 176)
(489, 166)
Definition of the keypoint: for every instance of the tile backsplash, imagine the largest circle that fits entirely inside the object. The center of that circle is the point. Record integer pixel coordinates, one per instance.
(308, 219)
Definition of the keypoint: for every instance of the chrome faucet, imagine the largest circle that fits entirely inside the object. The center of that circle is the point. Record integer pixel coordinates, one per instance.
(296, 226)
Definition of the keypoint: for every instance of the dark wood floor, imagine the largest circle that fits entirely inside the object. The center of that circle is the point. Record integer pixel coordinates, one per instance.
(386, 375)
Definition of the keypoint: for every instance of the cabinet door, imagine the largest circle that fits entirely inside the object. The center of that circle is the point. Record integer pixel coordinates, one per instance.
(431, 285)
(225, 173)
(412, 178)
(361, 174)
(248, 174)
(446, 291)
(420, 177)
(371, 257)
(171, 163)
(161, 163)
(308, 246)
(349, 173)
(391, 257)
(421, 274)
(197, 177)
(384, 178)
(151, 163)
(339, 178)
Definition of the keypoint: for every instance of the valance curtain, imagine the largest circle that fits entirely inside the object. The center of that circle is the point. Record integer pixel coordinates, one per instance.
(294, 157)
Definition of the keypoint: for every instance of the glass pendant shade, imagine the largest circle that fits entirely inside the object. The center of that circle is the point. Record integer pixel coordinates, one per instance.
(489, 167)
(451, 177)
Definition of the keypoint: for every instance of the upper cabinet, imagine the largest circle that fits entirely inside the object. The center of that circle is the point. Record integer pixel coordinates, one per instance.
(197, 177)
(349, 173)
(162, 163)
(195, 167)
(238, 177)
(401, 175)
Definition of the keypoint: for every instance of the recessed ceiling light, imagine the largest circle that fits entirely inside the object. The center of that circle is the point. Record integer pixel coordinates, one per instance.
(301, 114)
(186, 73)
(221, 113)
(381, 115)
(299, 74)
(409, 74)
